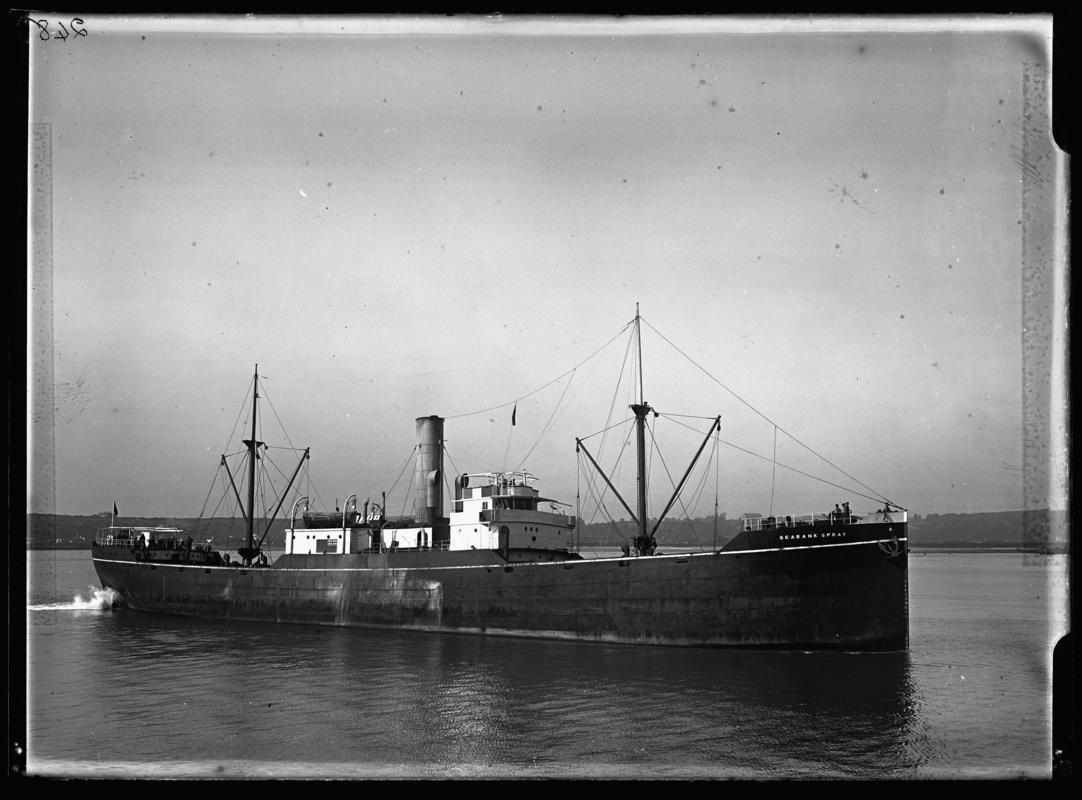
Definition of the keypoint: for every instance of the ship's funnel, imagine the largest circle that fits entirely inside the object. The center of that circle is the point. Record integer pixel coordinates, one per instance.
(429, 474)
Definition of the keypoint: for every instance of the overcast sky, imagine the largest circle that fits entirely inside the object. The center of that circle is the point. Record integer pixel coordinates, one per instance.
(399, 218)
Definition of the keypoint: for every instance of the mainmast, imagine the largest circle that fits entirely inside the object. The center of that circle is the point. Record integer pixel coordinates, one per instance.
(250, 551)
(643, 544)
(252, 455)
(644, 541)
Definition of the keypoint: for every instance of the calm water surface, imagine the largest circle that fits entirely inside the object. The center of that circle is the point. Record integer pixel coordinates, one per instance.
(127, 694)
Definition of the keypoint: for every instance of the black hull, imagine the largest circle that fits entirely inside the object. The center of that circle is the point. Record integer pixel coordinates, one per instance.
(843, 589)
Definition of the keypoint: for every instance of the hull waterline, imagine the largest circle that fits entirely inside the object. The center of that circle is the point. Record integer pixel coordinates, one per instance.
(839, 595)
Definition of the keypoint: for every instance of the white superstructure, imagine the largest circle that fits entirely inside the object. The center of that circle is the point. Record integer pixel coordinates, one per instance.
(504, 511)
(500, 511)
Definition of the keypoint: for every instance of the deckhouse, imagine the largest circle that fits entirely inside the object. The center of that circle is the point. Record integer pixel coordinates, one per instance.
(505, 511)
(498, 511)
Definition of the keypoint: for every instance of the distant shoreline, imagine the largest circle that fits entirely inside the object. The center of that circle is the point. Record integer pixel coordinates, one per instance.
(1034, 531)
(925, 548)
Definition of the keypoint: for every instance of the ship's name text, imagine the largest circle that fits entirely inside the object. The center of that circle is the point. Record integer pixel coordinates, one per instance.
(824, 535)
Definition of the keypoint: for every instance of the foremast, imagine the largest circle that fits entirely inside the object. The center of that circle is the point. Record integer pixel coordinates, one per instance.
(250, 551)
(253, 549)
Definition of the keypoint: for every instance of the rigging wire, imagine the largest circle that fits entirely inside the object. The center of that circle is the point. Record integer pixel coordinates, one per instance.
(601, 506)
(213, 483)
(454, 466)
(275, 412)
(799, 472)
(773, 470)
(813, 477)
(243, 407)
(229, 530)
(467, 368)
(615, 393)
(446, 485)
(261, 491)
(615, 466)
(544, 430)
(879, 496)
(673, 483)
(598, 433)
(400, 474)
(268, 478)
(510, 433)
(269, 460)
(544, 386)
(312, 490)
(697, 497)
(406, 497)
(409, 458)
(582, 384)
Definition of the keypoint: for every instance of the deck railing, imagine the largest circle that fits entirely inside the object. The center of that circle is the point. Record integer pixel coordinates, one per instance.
(112, 539)
(779, 521)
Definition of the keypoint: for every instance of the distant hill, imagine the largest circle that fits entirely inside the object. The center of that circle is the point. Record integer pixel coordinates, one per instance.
(1037, 528)
(60, 530)
(1041, 528)
(699, 531)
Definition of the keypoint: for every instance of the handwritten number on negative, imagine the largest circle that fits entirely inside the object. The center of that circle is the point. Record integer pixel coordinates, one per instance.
(62, 33)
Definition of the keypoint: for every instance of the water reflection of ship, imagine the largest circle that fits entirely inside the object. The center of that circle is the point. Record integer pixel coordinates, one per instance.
(782, 706)
(467, 702)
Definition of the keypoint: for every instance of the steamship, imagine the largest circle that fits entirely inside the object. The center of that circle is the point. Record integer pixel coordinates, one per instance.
(501, 560)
